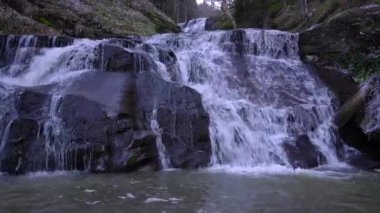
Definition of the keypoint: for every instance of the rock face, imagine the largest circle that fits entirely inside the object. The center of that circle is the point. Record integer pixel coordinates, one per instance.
(359, 122)
(101, 120)
(302, 153)
(370, 122)
(345, 46)
(349, 31)
(220, 22)
(83, 18)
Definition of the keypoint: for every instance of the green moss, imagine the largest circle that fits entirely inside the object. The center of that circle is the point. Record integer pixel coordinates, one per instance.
(224, 23)
(161, 25)
(45, 21)
(275, 8)
(361, 65)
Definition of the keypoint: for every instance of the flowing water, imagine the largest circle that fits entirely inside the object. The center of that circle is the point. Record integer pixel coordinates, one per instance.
(257, 91)
(181, 191)
(259, 96)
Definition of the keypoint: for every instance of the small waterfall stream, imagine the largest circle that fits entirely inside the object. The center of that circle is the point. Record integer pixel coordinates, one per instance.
(162, 154)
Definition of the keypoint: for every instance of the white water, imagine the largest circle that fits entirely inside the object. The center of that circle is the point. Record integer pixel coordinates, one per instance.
(49, 65)
(162, 154)
(255, 88)
(194, 25)
(257, 91)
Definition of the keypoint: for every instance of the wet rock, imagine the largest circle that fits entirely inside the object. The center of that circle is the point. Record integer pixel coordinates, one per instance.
(361, 128)
(119, 59)
(102, 123)
(370, 122)
(362, 161)
(302, 153)
(348, 31)
(337, 46)
(32, 104)
(19, 141)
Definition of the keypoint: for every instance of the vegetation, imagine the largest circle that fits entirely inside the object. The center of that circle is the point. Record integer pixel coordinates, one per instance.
(293, 15)
(45, 21)
(361, 65)
(178, 10)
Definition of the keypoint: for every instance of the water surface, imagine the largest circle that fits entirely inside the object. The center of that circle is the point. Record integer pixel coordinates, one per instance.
(192, 191)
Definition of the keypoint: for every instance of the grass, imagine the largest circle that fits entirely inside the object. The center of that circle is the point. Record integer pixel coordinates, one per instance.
(45, 21)
(361, 65)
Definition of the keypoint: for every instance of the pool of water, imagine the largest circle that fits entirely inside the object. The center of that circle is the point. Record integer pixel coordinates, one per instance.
(192, 191)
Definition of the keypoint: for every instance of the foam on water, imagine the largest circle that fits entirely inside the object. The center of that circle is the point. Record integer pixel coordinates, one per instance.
(51, 174)
(337, 171)
(155, 199)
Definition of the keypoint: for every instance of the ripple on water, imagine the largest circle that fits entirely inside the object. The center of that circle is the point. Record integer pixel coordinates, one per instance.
(50, 174)
(93, 202)
(128, 195)
(339, 171)
(155, 199)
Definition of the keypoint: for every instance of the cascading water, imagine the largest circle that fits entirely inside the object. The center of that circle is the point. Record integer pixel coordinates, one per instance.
(164, 160)
(257, 91)
(29, 64)
(194, 25)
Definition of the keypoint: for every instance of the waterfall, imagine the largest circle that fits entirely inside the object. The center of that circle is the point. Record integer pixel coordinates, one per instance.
(259, 95)
(194, 25)
(257, 91)
(163, 157)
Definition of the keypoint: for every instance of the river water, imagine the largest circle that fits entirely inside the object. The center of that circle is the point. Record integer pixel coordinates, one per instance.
(193, 191)
(259, 95)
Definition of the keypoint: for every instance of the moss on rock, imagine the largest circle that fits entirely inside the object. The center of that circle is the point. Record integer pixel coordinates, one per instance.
(90, 18)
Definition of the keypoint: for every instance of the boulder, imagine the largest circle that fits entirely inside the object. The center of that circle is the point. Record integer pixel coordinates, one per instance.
(302, 153)
(370, 119)
(343, 47)
(359, 121)
(20, 136)
(102, 123)
(349, 31)
(116, 58)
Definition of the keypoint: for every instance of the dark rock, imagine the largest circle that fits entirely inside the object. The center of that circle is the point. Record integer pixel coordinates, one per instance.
(343, 90)
(15, 155)
(302, 153)
(348, 31)
(370, 121)
(359, 120)
(102, 123)
(362, 161)
(211, 24)
(119, 59)
(338, 45)
(32, 105)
